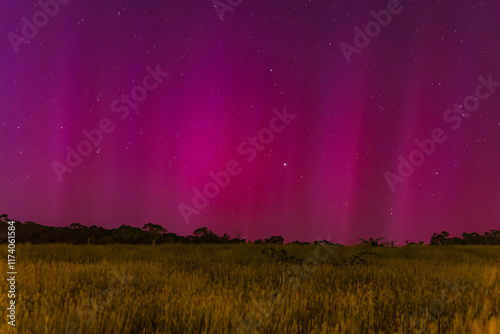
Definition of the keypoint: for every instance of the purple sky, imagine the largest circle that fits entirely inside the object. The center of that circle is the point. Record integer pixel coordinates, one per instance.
(320, 175)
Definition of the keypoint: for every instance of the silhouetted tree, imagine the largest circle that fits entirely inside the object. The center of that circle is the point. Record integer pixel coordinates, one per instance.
(200, 232)
(237, 233)
(275, 240)
(439, 239)
(129, 235)
(204, 235)
(154, 231)
(77, 226)
(372, 242)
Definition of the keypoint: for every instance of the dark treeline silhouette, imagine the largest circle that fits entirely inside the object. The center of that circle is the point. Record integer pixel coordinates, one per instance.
(79, 234)
(488, 238)
(156, 234)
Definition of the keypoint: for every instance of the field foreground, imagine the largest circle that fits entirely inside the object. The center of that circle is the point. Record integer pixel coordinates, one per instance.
(238, 289)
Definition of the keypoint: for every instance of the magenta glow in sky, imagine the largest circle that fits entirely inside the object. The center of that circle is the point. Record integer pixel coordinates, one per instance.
(103, 66)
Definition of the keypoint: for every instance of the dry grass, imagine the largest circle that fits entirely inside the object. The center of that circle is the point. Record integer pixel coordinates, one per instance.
(210, 288)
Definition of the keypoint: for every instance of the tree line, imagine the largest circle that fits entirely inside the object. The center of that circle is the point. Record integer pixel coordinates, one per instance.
(488, 238)
(79, 234)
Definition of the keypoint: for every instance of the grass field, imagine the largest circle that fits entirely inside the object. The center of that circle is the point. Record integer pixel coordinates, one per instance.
(237, 289)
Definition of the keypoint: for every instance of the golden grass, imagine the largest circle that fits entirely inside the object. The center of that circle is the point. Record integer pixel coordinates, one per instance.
(211, 288)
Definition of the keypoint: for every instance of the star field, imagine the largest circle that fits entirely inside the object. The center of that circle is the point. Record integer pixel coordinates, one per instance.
(321, 176)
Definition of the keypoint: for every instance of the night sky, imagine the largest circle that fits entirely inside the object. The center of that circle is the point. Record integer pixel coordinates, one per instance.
(311, 123)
